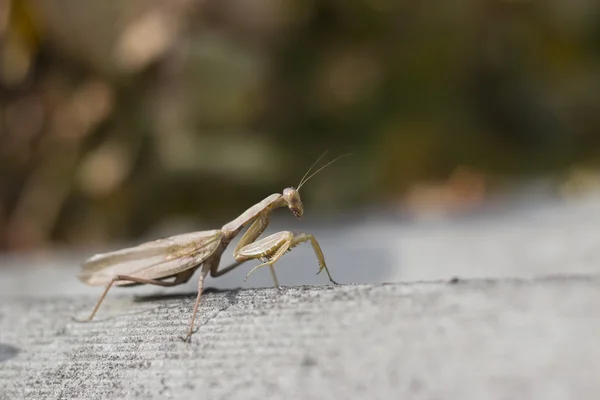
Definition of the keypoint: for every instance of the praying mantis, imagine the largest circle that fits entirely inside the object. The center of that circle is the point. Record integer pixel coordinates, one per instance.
(178, 257)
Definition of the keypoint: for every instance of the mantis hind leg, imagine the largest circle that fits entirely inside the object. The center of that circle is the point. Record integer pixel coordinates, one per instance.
(179, 279)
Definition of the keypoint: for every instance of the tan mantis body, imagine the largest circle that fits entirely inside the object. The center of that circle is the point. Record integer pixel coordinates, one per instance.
(180, 256)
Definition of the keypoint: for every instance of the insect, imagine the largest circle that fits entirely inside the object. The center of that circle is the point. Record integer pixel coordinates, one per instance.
(178, 257)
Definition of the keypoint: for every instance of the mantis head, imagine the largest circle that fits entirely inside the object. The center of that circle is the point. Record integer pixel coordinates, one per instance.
(291, 196)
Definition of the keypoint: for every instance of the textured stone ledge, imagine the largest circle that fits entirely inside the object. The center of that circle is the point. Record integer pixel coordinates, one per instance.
(472, 339)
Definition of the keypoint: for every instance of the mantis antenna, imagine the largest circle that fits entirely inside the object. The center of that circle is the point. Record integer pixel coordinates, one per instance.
(303, 180)
(311, 167)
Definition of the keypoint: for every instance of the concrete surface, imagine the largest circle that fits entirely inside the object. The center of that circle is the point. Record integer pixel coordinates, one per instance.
(476, 339)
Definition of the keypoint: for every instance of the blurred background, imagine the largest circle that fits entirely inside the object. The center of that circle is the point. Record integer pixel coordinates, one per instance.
(123, 120)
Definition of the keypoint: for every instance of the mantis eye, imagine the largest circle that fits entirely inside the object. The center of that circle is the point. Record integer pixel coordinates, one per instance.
(290, 193)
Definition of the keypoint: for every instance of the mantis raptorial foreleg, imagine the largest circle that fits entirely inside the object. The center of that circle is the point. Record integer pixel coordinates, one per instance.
(253, 232)
(273, 247)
